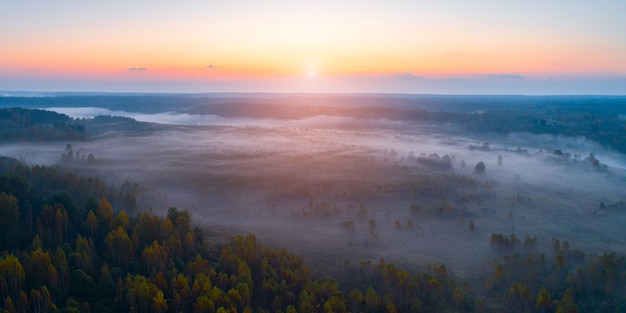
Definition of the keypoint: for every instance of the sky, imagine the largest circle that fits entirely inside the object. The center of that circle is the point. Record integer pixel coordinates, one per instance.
(432, 47)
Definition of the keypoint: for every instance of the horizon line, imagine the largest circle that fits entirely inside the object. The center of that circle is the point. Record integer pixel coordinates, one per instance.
(250, 93)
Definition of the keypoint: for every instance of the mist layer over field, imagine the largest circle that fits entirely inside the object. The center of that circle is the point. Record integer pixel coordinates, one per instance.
(337, 187)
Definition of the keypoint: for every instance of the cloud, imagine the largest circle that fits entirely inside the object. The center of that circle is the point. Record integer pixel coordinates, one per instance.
(408, 76)
(138, 69)
(210, 66)
(505, 76)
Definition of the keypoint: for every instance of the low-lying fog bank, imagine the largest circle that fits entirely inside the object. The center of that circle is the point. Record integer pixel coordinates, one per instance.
(355, 189)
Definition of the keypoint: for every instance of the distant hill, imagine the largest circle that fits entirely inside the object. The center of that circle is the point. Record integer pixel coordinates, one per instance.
(105, 125)
(18, 124)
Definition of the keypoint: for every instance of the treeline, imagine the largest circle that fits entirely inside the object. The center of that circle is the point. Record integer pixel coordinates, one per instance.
(105, 124)
(37, 188)
(595, 118)
(606, 129)
(17, 124)
(107, 262)
(84, 256)
(28, 125)
(563, 281)
(66, 248)
(383, 287)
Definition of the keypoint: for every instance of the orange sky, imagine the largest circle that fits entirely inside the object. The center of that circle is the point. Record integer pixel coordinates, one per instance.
(281, 39)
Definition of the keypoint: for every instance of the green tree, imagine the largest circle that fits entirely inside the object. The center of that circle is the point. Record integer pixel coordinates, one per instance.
(9, 211)
(22, 302)
(12, 277)
(9, 218)
(47, 225)
(144, 296)
(181, 220)
(119, 246)
(203, 305)
(61, 222)
(15, 185)
(305, 303)
(355, 298)
(182, 293)
(68, 201)
(62, 265)
(40, 270)
(459, 297)
(372, 300)
(83, 285)
(544, 301)
(520, 297)
(105, 214)
(9, 306)
(92, 223)
(147, 230)
(567, 304)
(167, 228)
(41, 301)
(121, 220)
(82, 253)
(155, 258)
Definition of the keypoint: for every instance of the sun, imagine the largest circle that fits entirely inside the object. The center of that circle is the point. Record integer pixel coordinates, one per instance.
(311, 74)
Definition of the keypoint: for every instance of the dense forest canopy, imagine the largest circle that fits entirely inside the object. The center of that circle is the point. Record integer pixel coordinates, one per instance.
(18, 124)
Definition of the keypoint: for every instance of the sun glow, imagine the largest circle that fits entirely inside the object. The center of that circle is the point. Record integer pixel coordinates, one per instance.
(359, 44)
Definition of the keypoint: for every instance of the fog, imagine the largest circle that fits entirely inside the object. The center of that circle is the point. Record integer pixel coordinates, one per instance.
(315, 185)
(176, 118)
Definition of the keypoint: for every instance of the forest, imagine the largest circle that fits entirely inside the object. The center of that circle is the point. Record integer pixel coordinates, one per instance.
(598, 118)
(322, 209)
(38, 125)
(86, 256)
